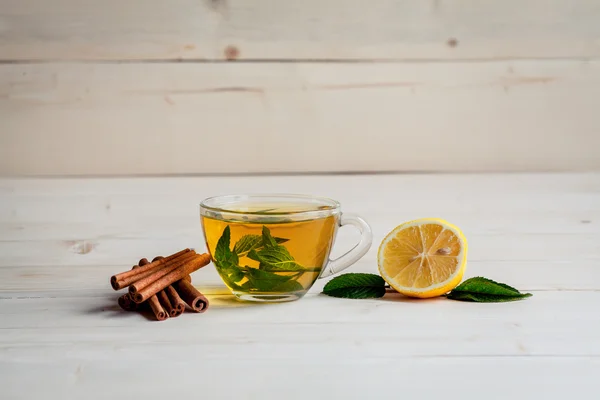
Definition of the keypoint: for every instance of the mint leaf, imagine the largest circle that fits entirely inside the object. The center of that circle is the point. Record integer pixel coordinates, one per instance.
(485, 290)
(504, 285)
(224, 257)
(268, 240)
(227, 261)
(485, 298)
(275, 259)
(270, 282)
(356, 286)
(231, 280)
(252, 242)
(484, 285)
(222, 250)
(235, 273)
(247, 243)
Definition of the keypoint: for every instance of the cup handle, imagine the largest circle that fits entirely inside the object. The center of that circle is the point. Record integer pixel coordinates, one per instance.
(352, 256)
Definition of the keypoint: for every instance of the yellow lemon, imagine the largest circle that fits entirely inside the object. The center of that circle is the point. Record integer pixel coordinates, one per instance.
(423, 258)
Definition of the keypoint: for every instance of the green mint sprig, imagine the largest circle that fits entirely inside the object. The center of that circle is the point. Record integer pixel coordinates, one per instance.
(273, 259)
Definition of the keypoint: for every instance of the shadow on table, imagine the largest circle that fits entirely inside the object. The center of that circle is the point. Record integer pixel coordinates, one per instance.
(219, 297)
(108, 306)
(400, 298)
(390, 296)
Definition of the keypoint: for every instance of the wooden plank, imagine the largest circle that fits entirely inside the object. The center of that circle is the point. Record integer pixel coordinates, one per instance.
(236, 118)
(267, 29)
(533, 327)
(72, 376)
(72, 202)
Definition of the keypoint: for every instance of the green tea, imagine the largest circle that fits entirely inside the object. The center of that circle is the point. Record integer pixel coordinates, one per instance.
(267, 254)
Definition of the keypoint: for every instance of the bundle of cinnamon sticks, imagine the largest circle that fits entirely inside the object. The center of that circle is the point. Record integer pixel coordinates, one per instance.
(163, 285)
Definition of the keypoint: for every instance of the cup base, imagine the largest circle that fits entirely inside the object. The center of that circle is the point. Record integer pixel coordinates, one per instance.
(268, 298)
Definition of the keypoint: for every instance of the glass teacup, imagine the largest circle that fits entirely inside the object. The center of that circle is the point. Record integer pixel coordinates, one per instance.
(274, 247)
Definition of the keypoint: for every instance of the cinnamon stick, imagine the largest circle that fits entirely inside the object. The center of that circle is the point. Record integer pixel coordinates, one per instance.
(164, 301)
(192, 296)
(126, 303)
(164, 270)
(154, 302)
(177, 306)
(173, 276)
(124, 279)
(157, 309)
(176, 301)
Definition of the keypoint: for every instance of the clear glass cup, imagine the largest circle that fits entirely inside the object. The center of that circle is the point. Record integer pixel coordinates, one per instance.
(274, 247)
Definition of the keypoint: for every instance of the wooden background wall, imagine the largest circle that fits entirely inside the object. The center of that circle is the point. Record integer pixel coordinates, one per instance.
(205, 86)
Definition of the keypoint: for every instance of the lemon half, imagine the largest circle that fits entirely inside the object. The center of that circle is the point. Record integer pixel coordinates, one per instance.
(423, 258)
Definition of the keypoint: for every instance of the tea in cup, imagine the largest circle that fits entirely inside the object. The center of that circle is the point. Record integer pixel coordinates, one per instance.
(274, 247)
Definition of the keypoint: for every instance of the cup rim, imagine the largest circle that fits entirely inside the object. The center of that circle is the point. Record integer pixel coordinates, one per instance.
(334, 205)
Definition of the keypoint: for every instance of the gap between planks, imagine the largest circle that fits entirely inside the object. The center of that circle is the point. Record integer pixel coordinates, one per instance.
(482, 60)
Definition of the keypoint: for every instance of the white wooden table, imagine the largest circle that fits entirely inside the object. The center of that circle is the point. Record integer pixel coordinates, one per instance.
(62, 335)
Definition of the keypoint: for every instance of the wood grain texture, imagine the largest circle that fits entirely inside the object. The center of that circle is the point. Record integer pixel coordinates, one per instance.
(81, 119)
(269, 29)
(62, 335)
